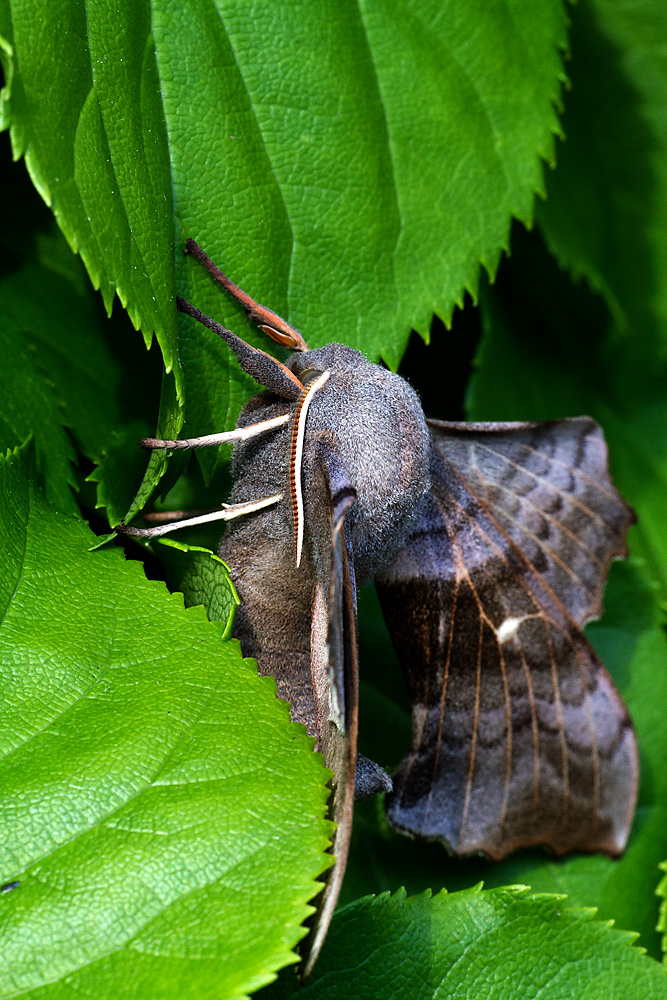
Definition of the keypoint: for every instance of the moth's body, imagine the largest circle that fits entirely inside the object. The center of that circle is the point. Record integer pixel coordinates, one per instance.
(539, 738)
(371, 422)
(489, 545)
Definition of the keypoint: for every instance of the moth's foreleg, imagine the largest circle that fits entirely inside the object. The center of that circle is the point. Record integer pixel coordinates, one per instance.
(266, 320)
(226, 437)
(228, 513)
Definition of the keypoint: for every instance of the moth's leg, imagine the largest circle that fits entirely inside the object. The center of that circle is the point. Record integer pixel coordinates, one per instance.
(370, 779)
(266, 320)
(228, 513)
(227, 437)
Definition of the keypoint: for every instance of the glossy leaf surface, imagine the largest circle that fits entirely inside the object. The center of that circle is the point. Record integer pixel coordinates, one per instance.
(330, 157)
(147, 819)
(420, 948)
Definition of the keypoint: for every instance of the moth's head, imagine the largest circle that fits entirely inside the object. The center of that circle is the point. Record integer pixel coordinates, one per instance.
(369, 418)
(374, 421)
(339, 359)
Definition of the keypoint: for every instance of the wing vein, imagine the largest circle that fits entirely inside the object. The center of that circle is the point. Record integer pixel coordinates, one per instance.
(611, 494)
(561, 728)
(483, 619)
(548, 620)
(475, 721)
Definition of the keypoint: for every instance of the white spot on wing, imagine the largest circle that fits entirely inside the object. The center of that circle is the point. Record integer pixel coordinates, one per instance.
(509, 628)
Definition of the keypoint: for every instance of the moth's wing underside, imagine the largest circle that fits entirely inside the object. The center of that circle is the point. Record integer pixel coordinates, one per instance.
(334, 663)
(519, 735)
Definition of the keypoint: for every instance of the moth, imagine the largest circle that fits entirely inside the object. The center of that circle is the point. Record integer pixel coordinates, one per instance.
(489, 545)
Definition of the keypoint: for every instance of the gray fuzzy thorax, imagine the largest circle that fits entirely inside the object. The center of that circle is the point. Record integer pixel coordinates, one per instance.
(373, 420)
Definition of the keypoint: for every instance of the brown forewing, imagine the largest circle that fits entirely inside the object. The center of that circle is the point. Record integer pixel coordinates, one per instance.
(519, 736)
(334, 666)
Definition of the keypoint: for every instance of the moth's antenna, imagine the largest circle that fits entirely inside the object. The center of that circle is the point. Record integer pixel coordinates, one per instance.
(295, 460)
(266, 370)
(266, 320)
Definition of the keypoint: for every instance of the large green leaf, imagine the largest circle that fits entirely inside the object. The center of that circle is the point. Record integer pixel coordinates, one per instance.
(606, 212)
(350, 165)
(495, 945)
(159, 811)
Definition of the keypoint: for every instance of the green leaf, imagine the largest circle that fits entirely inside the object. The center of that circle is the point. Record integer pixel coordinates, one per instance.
(606, 213)
(56, 374)
(203, 578)
(59, 330)
(661, 891)
(59, 375)
(29, 405)
(121, 468)
(160, 812)
(356, 190)
(159, 467)
(83, 105)
(499, 944)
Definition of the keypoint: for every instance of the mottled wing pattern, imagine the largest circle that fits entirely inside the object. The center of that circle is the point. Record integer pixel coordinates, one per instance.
(548, 486)
(519, 736)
